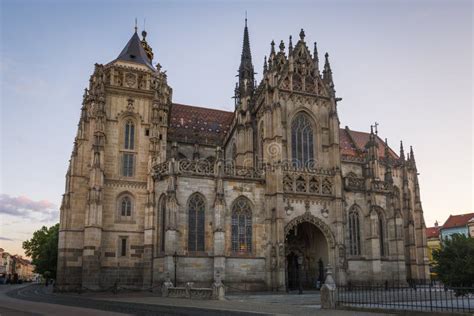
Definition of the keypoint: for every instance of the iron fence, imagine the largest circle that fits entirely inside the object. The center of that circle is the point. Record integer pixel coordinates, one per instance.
(412, 296)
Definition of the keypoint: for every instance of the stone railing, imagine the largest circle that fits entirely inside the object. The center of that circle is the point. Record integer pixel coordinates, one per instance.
(317, 183)
(347, 158)
(162, 168)
(354, 183)
(216, 292)
(380, 186)
(204, 167)
(307, 169)
(198, 167)
(243, 172)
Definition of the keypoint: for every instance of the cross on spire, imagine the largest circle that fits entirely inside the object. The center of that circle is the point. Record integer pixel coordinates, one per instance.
(374, 128)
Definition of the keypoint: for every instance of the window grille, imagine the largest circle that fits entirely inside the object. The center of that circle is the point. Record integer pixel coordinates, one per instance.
(126, 207)
(241, 227)
(129, 135)
(196, 212)
(354, 232)
(302, 140)
(127, 164)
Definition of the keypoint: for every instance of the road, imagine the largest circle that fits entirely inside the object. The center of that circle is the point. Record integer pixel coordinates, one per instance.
(39, 300)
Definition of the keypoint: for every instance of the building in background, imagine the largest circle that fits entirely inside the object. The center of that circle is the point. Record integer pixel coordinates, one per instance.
(470, 226)
(458, 224)
(14, 268)
(433, 243)
(262, 197)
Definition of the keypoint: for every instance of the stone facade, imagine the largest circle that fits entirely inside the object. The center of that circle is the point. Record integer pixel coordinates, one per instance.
(264, 196)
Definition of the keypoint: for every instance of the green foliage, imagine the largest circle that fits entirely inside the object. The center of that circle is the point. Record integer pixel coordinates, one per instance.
(43, 250)
(455, 261)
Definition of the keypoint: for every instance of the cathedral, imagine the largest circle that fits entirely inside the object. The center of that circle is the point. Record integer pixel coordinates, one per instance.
(267, 197)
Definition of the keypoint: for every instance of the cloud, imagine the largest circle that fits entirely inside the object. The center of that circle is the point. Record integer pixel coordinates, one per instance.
(26, 208)
(6, 239)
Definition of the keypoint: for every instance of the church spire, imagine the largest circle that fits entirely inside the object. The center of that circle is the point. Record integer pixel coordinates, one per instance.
(316, 60)
(246, 73)
(412, 157)
(327, 72)
(388, 162)
(402, 152)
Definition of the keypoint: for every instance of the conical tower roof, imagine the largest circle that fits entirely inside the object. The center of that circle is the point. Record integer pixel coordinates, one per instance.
(134, 52)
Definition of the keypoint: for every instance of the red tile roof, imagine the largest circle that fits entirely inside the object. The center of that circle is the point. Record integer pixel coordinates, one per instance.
(192, 123)
(209, 126)
(352, 143)
(432, 232)
(458, 220)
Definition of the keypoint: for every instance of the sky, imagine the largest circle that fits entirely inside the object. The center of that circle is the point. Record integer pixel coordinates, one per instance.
(404, 64)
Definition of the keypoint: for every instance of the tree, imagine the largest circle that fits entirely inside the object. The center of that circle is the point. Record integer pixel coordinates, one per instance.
(43, 250)
(455, 261)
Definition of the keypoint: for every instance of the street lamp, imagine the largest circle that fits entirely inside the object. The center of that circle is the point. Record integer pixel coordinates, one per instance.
(300, 267)
(175, 260)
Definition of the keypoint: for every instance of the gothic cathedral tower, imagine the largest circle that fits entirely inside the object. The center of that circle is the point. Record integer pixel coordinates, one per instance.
(122, 133)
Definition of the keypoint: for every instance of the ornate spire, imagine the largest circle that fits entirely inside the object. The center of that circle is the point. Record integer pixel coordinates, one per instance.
(272, 55)
(315, 53)
(146, 47)
(265, 66)
(246, 72)
(402, 152)
(316, 60)
(388, 161)
(412, 157)
(327, 72)
(290, 46)
(372, 143)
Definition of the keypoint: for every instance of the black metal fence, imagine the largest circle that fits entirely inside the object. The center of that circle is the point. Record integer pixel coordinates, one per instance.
(413, 296)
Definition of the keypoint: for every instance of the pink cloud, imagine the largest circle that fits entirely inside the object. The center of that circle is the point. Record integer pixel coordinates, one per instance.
(24, 207)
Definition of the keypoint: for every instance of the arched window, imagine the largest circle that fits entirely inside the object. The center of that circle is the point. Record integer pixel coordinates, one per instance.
(162, 208)
(128, 157)
(241, 226)
(354, 231)
(196, 210)
(302, 140)
(125, 207)
(129, 135)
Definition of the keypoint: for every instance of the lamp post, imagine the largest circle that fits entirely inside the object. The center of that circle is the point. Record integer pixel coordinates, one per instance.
(175, 260)
(300, 267)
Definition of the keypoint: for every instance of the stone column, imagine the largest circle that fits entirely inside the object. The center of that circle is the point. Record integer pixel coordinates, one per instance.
(93, 219)
(148, 237)
(172, 208)
(219, 216)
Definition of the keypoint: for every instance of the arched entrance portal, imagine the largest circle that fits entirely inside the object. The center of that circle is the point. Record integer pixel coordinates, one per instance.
(307, 255)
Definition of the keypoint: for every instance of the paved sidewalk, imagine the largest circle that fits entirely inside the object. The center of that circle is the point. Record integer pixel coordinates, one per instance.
(272, 304)
(30, 299)
(11, 306)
